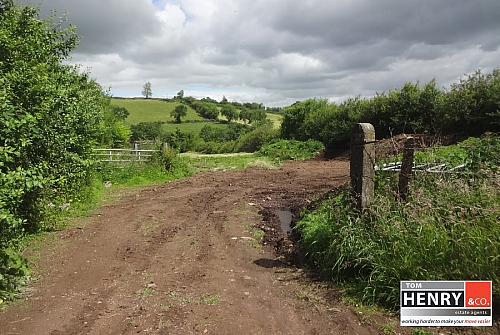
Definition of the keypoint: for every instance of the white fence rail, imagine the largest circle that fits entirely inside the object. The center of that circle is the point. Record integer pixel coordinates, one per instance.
(123, 155)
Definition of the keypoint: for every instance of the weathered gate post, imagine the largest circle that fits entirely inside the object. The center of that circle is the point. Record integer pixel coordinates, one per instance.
(362, 164)
(406, 168)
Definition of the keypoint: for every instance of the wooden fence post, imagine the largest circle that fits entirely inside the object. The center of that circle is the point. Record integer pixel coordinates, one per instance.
(406, 168)
(362, 164)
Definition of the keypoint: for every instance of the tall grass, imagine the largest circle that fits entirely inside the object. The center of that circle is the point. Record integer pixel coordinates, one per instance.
(269, 156)
(448, 230)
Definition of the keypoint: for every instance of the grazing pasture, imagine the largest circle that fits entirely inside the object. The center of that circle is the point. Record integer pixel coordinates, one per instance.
(150, 110)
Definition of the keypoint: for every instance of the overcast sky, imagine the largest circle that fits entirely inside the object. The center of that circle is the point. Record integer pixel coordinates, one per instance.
(280, 51)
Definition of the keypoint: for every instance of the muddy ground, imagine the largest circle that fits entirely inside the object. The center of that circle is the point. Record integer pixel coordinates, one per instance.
(186, 257)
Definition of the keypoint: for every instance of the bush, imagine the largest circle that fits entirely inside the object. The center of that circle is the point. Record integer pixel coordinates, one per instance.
(114, 133)
(318, 120)
(212, 147)
(469, 107)
(291, 150)
(167, 159)
(255, 139)
(51, 117)
(179, 140)
(13, 270)
(146, 131)
(294, 118)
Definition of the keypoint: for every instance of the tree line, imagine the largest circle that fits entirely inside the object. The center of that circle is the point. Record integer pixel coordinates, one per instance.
(470, 107)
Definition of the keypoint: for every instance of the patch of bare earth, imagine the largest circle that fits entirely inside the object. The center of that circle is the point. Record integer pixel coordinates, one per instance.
(186, 257)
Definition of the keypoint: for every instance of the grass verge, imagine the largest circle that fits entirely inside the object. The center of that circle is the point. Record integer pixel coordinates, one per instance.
(447, 230)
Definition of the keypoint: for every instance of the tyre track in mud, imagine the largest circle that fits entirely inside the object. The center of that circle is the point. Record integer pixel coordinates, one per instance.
(181, 258)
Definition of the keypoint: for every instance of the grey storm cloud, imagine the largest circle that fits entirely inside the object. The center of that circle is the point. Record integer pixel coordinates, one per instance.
(106, 26)
(280, 51)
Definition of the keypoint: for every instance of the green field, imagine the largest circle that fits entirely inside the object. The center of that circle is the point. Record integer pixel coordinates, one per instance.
(276, 118)
(149, 110)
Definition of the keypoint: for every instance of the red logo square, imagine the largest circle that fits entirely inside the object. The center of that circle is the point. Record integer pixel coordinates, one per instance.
(478, 294)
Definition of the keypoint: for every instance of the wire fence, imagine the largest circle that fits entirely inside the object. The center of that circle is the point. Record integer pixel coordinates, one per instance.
(436, 157)
(414, 157)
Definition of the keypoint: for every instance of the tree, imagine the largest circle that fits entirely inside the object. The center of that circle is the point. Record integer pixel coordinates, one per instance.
(230, 112)
(182, 141)
(258, 115)
(121, 113)
(180, 94)
(146, 90)
(178, 112)
(245, 115)
(211, 111)
(206, 109)
(146, 131)
(295, 116)
(252, 115)
(52, 115)
(114, 133)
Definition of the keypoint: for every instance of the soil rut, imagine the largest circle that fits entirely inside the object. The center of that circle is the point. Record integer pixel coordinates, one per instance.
(183, 258)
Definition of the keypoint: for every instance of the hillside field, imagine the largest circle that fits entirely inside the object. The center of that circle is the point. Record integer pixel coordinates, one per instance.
(276, 118)
(150, 110)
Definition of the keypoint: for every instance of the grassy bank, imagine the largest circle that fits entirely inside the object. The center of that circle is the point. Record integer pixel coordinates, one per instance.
(447, 230)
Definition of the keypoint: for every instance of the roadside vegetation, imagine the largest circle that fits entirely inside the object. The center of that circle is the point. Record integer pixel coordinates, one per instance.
(447, 230)
(51, 117)
(469, 107)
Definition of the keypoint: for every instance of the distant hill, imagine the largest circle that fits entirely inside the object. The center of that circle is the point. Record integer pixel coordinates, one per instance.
(150, 110)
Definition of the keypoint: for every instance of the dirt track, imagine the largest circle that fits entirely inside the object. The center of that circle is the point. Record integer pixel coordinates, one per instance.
(182, 258)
